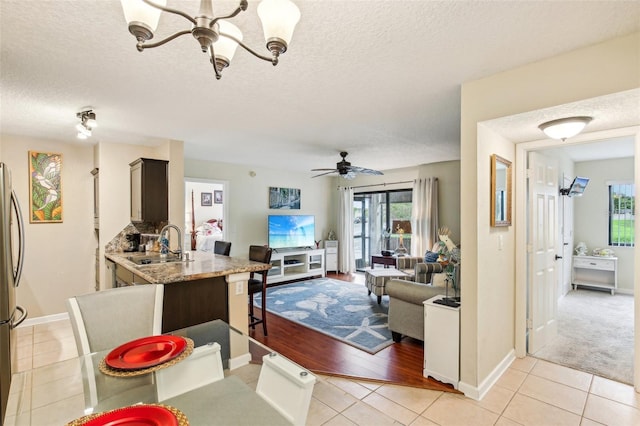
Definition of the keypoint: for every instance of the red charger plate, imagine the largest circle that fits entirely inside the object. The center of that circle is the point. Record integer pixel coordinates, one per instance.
(137, 415)
(146, 352)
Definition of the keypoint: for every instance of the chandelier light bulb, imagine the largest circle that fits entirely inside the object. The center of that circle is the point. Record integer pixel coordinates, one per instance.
(564, 128)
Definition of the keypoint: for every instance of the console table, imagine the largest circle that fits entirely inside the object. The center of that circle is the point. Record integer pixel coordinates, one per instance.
(290, 265)
(595, 271)
(383, 260)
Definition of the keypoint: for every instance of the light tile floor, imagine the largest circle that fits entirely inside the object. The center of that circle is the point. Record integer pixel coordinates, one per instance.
(531, 392)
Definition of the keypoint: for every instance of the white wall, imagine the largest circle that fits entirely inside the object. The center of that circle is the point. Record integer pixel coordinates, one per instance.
(591, 212)
(593, 71)
(248, 199)
(59, 257)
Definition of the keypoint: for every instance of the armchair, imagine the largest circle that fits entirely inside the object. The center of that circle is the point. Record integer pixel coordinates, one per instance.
(406, 311)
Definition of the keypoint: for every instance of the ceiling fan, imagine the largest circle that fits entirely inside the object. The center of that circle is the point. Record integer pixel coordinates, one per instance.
(345, 169)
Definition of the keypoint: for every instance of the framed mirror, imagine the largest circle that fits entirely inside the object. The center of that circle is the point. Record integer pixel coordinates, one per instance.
(500, 191)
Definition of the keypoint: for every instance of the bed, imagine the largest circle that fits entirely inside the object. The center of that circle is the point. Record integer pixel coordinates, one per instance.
(207, 234)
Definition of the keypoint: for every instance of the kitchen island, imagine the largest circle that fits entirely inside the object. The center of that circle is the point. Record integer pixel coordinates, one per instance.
(204, 288)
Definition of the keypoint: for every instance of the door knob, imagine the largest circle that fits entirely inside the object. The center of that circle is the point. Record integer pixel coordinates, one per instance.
(558, 257)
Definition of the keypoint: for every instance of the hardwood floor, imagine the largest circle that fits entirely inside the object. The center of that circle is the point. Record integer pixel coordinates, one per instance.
(400, 363)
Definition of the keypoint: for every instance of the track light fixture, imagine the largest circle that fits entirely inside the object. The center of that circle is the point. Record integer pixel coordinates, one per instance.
(216, 35)
(87, 123)
(564, 128)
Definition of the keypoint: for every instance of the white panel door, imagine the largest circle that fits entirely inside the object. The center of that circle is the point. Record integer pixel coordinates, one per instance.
(544, 243)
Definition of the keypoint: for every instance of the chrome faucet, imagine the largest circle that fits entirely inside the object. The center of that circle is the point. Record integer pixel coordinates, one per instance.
(180, 242)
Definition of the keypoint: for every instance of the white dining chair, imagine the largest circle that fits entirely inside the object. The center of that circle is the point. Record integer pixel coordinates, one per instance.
(108, 318)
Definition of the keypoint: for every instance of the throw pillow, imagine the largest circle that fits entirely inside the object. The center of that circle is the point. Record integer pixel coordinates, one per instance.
(430, 257)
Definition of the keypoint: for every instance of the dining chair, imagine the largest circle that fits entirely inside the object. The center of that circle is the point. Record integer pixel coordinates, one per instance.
(108, 318)
(222, 247)
(259, 254)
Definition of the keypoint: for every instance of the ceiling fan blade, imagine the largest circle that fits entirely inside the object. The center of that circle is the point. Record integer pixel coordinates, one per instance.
(365, 171)
(325, 173)
(324, 170)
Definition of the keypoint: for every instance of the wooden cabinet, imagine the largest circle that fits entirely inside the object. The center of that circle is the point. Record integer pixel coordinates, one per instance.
(149, 190)
(595, 271)
(441, 342)
(331, 255)
(296, 264)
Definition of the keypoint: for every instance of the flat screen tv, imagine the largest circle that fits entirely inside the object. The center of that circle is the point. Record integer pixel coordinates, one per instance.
(577, 187)
(291, 231)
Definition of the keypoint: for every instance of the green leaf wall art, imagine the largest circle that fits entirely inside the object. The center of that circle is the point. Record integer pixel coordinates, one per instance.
(45, 187)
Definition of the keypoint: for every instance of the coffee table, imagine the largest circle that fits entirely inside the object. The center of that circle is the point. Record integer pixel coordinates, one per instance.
(376, 279)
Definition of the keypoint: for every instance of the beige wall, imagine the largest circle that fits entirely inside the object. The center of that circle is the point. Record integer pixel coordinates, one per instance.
(597, 70)
(59, 257)
(248, 199)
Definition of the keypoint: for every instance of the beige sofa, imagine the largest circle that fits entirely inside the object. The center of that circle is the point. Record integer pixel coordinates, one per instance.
(406, 309)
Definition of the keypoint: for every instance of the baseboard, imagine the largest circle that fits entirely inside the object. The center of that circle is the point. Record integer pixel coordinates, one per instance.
(479, 392)
(239, 361)
(29, 322)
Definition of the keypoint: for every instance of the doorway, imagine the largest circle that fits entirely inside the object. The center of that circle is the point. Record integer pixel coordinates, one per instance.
(206, 213)
(566, 236)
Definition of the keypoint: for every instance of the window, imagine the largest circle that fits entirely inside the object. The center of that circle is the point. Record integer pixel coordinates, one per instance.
(622, 211)
(376, 214)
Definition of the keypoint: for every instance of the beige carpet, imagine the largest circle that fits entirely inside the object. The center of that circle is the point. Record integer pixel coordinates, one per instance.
(595, 334)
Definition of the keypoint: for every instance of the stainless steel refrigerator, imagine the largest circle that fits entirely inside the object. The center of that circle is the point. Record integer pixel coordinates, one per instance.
(11, 257)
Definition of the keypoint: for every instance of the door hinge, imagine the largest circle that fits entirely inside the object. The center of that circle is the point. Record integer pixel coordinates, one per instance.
(529, 324)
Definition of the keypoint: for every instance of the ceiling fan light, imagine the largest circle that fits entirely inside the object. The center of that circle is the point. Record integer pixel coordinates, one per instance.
(82, 136)
(279, 19)
(224, 46)
(137, 11)
(565, 128)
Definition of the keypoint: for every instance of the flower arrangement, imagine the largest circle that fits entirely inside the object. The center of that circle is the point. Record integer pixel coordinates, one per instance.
(449, 255)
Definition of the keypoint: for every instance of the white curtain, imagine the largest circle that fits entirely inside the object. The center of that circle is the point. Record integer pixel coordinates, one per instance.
(347, 258)
(424, 215)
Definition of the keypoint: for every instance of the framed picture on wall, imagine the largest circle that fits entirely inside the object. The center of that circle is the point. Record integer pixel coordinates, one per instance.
(284, 198)
(205, 199)
(45, 187)
(217, 197)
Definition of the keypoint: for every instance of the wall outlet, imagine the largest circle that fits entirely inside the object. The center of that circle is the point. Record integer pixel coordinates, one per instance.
(239, 288)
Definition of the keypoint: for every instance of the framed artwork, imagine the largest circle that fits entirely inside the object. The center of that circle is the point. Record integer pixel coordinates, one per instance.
(217, 197)
(284, 198)
(45, 187)
(205, 199)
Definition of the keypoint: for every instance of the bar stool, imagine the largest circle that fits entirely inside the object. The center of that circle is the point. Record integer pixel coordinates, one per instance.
(222, 247)
(259, 254)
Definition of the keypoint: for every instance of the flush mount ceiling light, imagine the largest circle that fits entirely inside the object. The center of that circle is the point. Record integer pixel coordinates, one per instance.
(564, 128)
(87, 123)
(217, 37)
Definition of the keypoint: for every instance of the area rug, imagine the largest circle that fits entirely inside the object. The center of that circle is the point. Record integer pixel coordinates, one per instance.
(339, 309)
(595, 334)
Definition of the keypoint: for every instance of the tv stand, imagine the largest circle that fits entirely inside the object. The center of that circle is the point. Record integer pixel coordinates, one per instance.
(288, 265)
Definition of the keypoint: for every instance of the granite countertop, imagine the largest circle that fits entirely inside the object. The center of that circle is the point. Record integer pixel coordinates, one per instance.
(201, 265)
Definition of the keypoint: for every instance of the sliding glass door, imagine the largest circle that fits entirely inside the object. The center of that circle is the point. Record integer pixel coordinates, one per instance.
(381, 220)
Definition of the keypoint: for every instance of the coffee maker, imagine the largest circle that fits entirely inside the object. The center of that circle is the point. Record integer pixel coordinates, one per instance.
(133, 242)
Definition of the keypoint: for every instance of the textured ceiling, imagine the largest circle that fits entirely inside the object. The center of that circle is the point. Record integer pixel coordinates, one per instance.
(379, 79)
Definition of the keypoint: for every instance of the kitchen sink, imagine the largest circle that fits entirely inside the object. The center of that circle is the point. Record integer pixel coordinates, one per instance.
(154, 259)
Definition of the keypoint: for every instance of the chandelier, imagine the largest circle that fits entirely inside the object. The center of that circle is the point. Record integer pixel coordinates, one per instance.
(217, 36)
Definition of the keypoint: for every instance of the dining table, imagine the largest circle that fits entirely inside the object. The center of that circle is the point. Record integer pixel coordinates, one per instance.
(76, 390)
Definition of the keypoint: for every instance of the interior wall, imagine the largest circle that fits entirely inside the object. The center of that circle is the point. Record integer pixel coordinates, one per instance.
(59, 257)
(248, 205)
(592, 208)
(559, 80)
